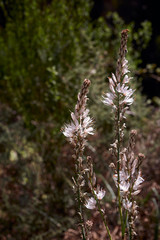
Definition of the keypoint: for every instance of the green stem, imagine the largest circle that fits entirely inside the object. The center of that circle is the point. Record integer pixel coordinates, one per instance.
(105, 223)
(80, 208)
(118, 170)
(80, 205)
(100, 211)
(125, 220)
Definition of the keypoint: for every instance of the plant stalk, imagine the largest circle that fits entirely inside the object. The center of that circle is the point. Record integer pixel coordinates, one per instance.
(80, 205)
(118, 170)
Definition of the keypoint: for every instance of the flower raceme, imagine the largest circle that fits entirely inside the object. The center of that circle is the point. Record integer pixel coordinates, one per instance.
(121, 94)
(130, 177)
(81, 124)
(127, 175)
(81, 127)
(130, 182)
(76, 132)
(119, 90)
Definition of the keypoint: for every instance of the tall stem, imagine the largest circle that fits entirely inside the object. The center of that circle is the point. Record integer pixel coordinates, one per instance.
(102, 215)
(80, 204)
(80, 208)
(118, 168)
(119, 75)
(125, 220)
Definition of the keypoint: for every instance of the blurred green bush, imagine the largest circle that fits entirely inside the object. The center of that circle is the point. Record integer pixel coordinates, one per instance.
(48, 48)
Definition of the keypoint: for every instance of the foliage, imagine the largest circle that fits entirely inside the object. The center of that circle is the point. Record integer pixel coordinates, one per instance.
(43, 59)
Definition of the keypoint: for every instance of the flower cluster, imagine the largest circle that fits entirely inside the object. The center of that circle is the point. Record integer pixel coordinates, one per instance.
(81, 124)
(76, 132)
(91, 202)
(130, 178)
(121, 94)
(127, 173)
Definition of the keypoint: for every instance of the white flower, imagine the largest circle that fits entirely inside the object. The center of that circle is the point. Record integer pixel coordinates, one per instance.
(126, 79)
(138, 181)
(91, 203)
(87, 121)
(124, 62)
(87, 124)
(114, 145)
(111, 85)
(136, 192)
(100, 193)
(119, 88)
(124, 176)
(115, 178)
(70, 130)
(127, 204)
(112, 88)
(134, 165)
(124, 181)
(75, 128)
(125, 70)
(127, 100)
(124, 186)
(125, 66)
(108, 99)
(114, 78)
(111, 82)
(124, 90)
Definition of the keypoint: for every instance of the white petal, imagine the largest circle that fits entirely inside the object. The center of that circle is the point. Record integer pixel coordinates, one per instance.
(114, 78)
(91, 203)
(124, 186)
(127, 204)
(111, 82)
(138, 181)
(100, 193)
(136, 192)
(107, 101)
(74, 118)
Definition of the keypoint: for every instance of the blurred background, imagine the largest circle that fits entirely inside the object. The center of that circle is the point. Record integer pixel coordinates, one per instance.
(47, 48)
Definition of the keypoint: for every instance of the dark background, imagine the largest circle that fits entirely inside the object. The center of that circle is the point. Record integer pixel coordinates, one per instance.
(138, 11)
(132, 10)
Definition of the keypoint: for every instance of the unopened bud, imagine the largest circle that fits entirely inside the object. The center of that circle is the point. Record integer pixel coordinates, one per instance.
(89, 224)
(141, 156)
(111, 165)
(133, 132)
(86, 82)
